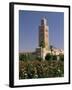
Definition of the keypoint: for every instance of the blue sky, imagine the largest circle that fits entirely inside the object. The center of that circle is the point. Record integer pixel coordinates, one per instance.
(29, 22)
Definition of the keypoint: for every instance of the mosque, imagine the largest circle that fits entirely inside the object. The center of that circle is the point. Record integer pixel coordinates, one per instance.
(44, 47)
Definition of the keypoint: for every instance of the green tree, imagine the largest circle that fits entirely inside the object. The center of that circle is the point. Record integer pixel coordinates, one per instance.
(48, 57)
(61, 57)
(54, 57)
(38, 58)
(21, 57)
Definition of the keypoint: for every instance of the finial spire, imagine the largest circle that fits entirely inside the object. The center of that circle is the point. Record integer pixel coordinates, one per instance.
(44, 21)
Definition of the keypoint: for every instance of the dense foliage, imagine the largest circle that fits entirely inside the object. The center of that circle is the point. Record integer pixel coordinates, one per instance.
(26, 57)
(31, 66)
(40, 69)
(61, 57)
(54, 57)
(48, 57)
(51, 57)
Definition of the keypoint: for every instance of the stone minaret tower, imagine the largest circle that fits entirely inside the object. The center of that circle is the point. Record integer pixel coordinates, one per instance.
(44, 34)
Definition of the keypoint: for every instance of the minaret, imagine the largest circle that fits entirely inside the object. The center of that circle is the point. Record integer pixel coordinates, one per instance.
(44, 34)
